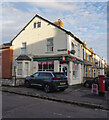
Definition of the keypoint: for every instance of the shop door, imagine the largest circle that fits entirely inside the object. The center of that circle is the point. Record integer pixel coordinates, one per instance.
(64, 68)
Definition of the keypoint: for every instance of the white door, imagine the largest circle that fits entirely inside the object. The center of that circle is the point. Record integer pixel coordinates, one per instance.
(64, 68)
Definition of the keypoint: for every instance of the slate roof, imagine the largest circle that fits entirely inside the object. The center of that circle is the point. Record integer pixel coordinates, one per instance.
(67, 32)
(23, 57)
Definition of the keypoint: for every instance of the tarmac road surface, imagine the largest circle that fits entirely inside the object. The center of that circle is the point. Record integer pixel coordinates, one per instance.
(19, 106)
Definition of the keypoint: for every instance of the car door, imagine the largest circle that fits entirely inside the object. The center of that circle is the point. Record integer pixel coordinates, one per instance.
(34, 79)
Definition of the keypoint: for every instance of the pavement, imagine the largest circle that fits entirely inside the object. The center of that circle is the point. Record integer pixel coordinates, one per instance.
(78, 95)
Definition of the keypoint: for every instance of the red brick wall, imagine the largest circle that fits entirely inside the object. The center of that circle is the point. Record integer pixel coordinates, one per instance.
(7, 57)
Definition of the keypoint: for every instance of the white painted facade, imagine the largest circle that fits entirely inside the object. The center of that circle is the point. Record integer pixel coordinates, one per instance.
(36, 45)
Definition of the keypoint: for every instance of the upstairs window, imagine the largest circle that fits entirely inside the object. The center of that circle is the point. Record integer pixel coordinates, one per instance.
(50, 45)
(37, 25)
(84, 54)
(23, 49)
(78, 50)
(87, 57)
(72, 46)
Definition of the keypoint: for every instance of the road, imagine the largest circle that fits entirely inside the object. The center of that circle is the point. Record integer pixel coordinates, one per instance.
(19, 106)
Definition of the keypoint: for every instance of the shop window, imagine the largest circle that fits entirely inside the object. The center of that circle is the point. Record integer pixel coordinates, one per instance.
(86, 71)
(50, 45)
(19, 69)
(75, 71)
(23, 49)
(45, 66)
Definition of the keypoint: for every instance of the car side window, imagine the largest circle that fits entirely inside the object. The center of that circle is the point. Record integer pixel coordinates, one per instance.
(45, 74)
(41, 74)
(36, 74)
(48, 75)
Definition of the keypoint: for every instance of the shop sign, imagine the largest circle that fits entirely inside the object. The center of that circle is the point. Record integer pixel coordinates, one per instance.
(46, 63)
(73, 59)
(63, 58)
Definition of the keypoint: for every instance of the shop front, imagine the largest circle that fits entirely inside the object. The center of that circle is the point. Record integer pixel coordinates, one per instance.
(72, 67)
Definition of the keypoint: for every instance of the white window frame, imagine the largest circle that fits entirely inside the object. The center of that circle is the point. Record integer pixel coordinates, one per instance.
(78, 50)
(23, 48)
(37, 25)
(21, 69)
(90, 72)
(86, 71)
(94, 72)
(76, 71)
(72, 46)
(25, 69)
(84, 54)
(48, 67)
(50, 45)
(87, 57)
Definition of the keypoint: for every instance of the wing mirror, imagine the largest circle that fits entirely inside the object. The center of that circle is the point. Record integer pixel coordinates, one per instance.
(32, 75)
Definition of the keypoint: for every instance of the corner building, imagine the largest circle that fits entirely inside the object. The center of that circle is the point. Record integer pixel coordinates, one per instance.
(45, 46)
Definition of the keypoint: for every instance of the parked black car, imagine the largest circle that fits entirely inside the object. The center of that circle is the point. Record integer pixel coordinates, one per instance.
(88, 83)
(48, 81)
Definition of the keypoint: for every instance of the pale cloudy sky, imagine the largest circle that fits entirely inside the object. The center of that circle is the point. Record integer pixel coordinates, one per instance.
(86, 20)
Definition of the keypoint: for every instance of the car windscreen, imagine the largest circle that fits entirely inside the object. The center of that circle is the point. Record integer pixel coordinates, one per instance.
(59, 75)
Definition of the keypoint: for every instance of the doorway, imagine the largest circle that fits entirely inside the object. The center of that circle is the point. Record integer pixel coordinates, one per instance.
(64, 68)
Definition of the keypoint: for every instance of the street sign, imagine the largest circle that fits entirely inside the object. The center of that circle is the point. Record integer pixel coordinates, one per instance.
(73, 59)
(95, 89)
(63, 58)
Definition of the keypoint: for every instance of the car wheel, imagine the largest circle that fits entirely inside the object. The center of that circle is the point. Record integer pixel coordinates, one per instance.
(87, 85)
(47, 88)
(27, 84)
(62, 89)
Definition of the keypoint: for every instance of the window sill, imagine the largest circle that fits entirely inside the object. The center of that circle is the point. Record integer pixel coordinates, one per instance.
(49, 52)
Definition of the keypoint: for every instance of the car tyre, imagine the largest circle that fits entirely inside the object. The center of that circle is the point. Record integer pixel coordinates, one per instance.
(27, 84)
(47, 88)
(62, 89)
(87, 85)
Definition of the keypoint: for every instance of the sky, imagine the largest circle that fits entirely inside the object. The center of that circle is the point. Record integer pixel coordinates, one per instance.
(86, 20)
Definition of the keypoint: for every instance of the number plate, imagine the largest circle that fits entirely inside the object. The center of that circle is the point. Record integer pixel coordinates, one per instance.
(62, 83)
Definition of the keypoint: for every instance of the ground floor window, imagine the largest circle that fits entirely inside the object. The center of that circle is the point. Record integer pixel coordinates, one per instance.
(46, 66)
(26, 68)
(94, 73)
(75, 70)
(19, 69)
(86, 71)
(98, 71)
(90, 73)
